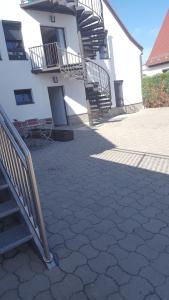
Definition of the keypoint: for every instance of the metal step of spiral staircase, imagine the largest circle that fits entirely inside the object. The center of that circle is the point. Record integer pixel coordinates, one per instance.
(91, 26)
(13, 229)
(100, 102)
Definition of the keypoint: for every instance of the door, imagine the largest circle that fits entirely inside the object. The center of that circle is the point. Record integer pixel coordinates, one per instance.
(57, 103)
(118, 87)
(51, 36)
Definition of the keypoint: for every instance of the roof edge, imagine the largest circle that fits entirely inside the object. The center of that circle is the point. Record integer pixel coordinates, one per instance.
(131, 38)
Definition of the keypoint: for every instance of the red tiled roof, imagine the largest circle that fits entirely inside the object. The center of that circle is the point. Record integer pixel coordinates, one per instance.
(160, 51)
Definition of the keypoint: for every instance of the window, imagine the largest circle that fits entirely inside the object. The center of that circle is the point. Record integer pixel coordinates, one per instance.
(103, 51)
(14, 43)
(23, 97)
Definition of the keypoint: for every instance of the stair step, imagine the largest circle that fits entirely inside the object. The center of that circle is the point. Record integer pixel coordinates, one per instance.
(89, 27)
(93, 38)
(3, 187)
(8, 208)
(89, 20)
(87, 33)
(79, 10)
(84, 16)
(14, 237)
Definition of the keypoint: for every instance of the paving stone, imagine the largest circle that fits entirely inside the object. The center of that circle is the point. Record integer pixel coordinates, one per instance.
(10, 295)
(2, 272)
(89, 251)
(101, 262)
(70, 263)
(91, 234)
(101, 288)
(163, 290)
(127, 212)
(79, 296)
(66, 288)
(55, 239)
(139, 218)
(161, 264)
(118, 275)
(56, 228)
(44, 296)
(115, 296)
(14, 263)
(154, 225)
(81, 226)
(7, 283)
(24, 273)
(93, 219)
(158, 242)
(153, 276)
(85, 274)
(143, 233)
(28, 290)
(152, 297)
(150, 212)
(103, 242)
(55, 275)
(118, 252)
(128, 226)
(137, 289)
(131, 242)
(104, 226)
(148, 252)
(77, 242)
(133, 263)
(61, 251)
(117, 234)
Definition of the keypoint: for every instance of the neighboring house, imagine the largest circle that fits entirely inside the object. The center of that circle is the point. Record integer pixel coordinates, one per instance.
(158, 61)
(68, 60)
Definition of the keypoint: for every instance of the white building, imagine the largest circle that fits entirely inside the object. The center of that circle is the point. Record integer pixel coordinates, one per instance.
(43, 72)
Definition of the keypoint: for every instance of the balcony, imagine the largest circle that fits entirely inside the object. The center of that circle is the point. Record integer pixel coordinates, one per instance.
(50, 57)
(60, 6)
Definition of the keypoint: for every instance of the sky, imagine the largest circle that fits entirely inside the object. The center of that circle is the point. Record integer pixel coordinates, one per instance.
(143, 19)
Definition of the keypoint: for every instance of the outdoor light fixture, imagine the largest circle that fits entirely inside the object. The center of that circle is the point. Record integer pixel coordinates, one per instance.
(52, 18)
(55, 79)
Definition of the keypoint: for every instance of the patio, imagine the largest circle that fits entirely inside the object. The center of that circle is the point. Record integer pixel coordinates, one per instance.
(105, 198)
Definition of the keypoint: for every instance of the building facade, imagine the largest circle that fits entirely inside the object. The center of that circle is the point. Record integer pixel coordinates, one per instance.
(158, 61)
(67, 60)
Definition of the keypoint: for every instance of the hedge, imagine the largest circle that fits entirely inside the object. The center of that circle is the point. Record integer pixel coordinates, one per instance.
(156, 90)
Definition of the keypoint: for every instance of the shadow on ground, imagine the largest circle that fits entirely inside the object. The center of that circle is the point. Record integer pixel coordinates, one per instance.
(106, 213)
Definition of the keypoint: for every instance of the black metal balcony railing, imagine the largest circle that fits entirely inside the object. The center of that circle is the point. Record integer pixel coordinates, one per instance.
(48, 57)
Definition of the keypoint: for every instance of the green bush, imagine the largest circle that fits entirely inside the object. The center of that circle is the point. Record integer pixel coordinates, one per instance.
(156, 90)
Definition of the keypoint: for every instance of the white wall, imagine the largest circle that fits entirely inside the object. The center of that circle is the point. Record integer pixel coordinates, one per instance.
(124, 62)
(150, 71)
(18, 75)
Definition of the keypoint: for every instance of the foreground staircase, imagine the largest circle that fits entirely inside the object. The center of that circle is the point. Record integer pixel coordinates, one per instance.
(21, 218)
(13, 229)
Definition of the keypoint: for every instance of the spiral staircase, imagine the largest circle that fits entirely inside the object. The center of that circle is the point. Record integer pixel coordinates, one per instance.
(51, 58)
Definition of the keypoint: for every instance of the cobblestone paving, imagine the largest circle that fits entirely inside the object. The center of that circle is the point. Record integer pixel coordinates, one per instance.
(105, 197)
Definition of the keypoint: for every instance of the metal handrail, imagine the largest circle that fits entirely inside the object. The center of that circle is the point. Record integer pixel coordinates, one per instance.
(48, 56)
(93, 5)
(16, 160)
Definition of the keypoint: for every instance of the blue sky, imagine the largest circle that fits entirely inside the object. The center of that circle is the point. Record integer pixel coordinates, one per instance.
(142, 18)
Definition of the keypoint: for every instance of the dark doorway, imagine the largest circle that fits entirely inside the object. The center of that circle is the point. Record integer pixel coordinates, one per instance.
(118, 87)
(53, 38)
(58, 107)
